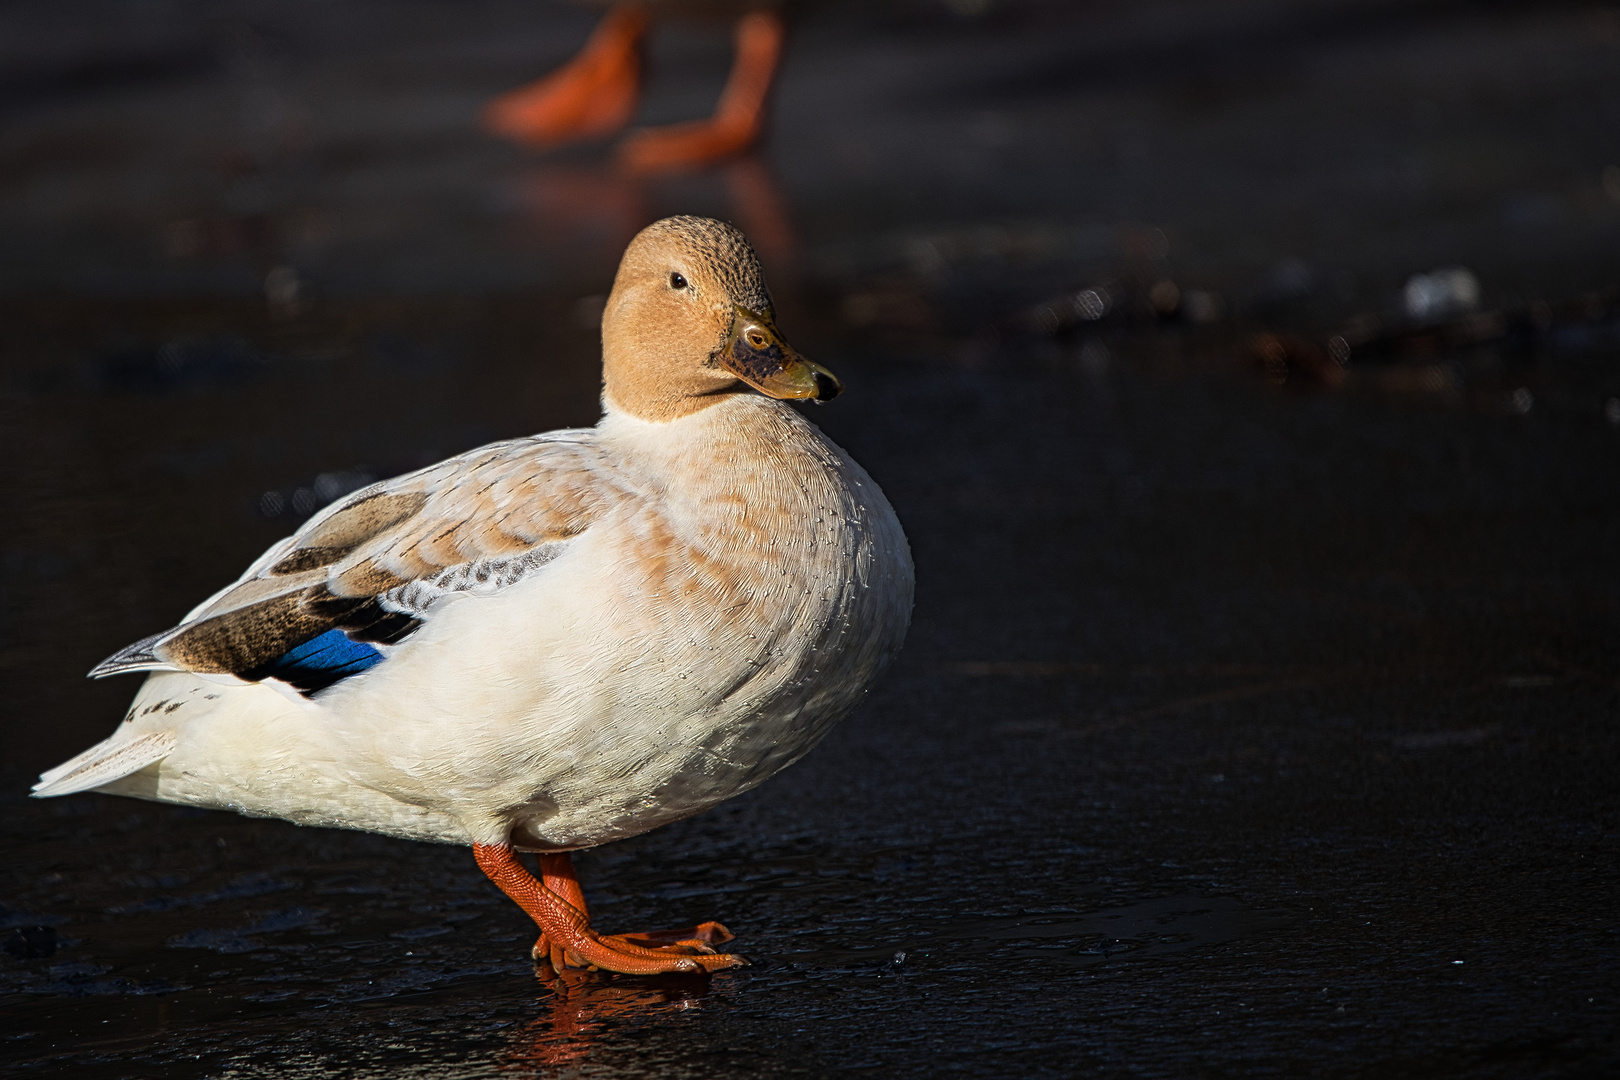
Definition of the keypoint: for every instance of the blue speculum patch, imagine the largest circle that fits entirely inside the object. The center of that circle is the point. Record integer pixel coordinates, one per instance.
(322, 661)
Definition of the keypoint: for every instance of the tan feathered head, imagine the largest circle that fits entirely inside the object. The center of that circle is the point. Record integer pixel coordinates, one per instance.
(690, 320)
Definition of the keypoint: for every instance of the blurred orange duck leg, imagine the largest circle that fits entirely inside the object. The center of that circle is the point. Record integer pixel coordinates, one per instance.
(592, 95)
(738, 119)
(557, 905)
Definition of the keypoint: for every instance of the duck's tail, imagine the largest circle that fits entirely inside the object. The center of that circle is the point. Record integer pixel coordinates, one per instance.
(109, 760)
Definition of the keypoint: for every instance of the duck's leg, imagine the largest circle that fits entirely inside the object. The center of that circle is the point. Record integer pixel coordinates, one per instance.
(593, 94)
(557, 875)
(565, 931)
(738, 118)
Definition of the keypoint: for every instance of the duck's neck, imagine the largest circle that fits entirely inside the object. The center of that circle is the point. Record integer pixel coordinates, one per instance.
(742, 439)
(725, 419)
(648, 391)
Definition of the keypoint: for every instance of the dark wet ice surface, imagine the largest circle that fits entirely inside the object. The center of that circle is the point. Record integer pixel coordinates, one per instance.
(1234, 730)
(1244, 728)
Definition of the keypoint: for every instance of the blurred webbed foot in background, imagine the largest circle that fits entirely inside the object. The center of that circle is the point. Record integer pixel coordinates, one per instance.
(739, 117)
(591, 96)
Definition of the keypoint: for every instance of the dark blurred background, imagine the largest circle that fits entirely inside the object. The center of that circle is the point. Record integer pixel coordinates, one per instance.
(1247, 376)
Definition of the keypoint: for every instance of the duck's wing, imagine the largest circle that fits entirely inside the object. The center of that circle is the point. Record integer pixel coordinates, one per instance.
(327, 602)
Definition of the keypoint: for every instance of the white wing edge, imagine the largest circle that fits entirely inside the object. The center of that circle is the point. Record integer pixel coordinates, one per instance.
(136, 657)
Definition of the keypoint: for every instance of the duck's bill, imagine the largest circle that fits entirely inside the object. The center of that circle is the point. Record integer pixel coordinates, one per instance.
(757, 355)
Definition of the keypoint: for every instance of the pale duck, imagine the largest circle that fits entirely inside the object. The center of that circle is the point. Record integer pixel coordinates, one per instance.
(550, 643)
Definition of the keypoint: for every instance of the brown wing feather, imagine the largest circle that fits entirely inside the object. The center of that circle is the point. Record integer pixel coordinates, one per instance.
(359, 521)
(497, 502)
(245, 638)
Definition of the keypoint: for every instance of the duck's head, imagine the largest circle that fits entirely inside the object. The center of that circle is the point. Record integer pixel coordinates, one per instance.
(690, 321)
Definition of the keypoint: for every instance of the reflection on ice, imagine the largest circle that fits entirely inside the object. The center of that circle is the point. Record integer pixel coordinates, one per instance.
(584, 1004)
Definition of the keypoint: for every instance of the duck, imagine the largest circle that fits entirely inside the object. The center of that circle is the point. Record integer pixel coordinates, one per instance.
(594, 95)
(550, 643)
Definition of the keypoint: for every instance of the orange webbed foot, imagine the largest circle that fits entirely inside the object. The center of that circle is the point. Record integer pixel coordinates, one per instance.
(701, 938)
(557, 905)
(671, 944)
(653, 953)
(593, 95)
(738, 119)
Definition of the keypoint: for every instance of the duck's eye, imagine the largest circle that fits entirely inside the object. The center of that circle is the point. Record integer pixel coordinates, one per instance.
(676, 281)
